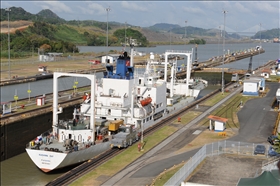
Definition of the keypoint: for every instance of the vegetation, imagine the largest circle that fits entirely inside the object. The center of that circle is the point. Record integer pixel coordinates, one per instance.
(123, 159)
(227, 110)
(41, 35)
(130, 33)
(86, 23)
(49, 33)
(163, 27)
(197, 41)
(268, 34)
(190, 31)
(18, 13)
(276, 145)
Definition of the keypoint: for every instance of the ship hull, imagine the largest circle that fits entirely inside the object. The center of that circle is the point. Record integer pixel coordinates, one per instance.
(49, 160)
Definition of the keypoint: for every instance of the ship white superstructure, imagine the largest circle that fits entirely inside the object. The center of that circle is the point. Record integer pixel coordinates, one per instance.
(139, 101)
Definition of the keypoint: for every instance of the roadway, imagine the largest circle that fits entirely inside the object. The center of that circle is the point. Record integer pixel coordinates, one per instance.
(256, 120)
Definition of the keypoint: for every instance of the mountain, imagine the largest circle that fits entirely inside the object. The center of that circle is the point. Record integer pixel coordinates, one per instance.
(163, 27)
(48, 14)
(16, 13)
(96, 31)
(267, 34)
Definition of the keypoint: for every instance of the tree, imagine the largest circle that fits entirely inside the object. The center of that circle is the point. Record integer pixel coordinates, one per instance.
(45, 47)
(276, 145)
(131, 33)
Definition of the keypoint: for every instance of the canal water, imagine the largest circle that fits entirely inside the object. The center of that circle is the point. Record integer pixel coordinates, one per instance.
(20, 170)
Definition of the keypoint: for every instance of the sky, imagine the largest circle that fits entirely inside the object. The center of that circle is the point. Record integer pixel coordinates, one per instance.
(240, 17)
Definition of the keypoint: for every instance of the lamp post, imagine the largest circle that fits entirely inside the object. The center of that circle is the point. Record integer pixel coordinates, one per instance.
(236, 34)
(260, 42)
(223, 83)
(186, 32)
(9, 56)
(107, 9)
(125, 36)
(219, 36)
(170, 37)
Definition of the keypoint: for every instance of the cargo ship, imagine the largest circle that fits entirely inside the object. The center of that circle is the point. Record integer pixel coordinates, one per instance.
(121, 99)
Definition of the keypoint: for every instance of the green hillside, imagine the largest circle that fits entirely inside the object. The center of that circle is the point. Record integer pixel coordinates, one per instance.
(268, 34)
(66, 33)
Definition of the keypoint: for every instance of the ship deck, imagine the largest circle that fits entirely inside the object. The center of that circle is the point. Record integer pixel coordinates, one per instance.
(50, 142)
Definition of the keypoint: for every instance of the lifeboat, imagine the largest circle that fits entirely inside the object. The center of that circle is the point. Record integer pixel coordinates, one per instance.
(146, 101)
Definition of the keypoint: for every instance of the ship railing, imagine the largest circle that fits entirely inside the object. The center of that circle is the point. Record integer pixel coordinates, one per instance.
(44, 134)
(179, 51)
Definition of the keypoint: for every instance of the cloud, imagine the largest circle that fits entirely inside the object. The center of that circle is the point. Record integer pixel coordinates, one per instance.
(134, 6)
(194, 10)
(241, 8)
(54, 6)
(270, 7)
(93, 9)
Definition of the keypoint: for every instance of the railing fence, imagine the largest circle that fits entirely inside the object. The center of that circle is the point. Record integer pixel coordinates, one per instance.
(217, 148)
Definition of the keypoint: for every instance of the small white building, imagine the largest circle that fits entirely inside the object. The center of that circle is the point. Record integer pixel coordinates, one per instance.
(111, 58)
(6, 108)
(41, 100)
(278, 98)
(42, 68)
(265, 73)
(218, 123)
(253, 85)
(49, 56)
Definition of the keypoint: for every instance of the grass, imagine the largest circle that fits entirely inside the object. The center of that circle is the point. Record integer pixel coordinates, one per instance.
(273, 78)
(186, 118)
(116, 164)
(212, 101)
(67, 33)
(231, 110)
(166, 175)
(123, 159)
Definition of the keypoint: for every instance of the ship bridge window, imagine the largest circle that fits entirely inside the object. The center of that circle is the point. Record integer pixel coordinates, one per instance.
(109, 111)
(69, 136)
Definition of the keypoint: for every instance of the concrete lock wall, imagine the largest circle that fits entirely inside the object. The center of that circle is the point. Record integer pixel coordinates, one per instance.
(15, 136)
(213, 78)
